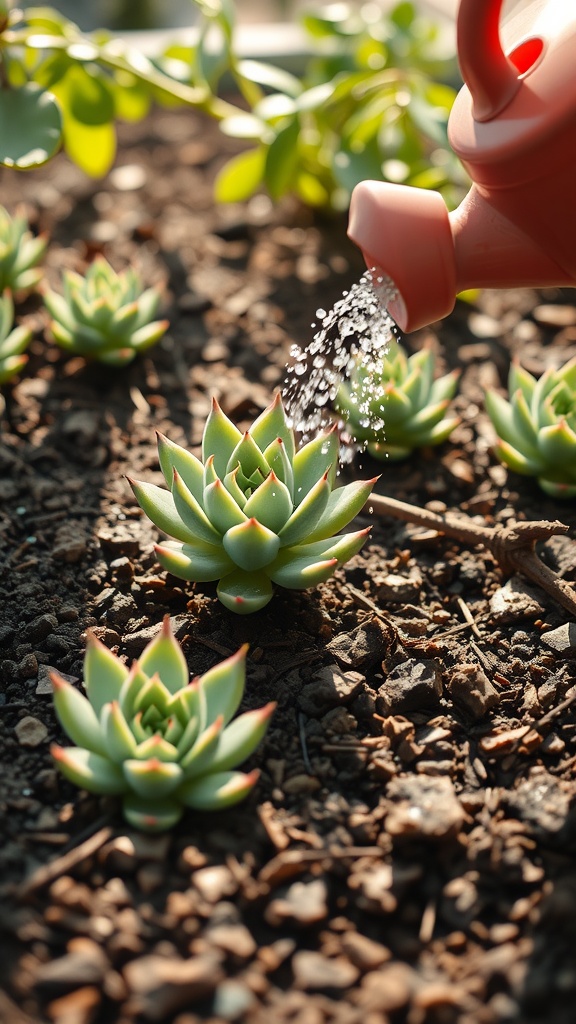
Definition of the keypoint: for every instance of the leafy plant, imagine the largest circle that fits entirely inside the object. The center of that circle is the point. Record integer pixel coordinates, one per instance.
(20, 253)
(537, 427)
(254, 511)
(13, 342)
(373, 100)
(398, 405)
(152, 736)
(105, 315)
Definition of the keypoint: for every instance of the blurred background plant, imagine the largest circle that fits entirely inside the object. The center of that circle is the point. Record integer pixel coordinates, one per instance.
(372, 100)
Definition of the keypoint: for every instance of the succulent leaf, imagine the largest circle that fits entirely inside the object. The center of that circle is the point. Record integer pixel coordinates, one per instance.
(398, 406)
(254, 501)
(13, 340)
(161, 742)
(20, 253)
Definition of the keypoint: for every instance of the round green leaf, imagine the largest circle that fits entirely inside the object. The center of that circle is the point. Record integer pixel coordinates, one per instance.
(89, 97)
(30, 127)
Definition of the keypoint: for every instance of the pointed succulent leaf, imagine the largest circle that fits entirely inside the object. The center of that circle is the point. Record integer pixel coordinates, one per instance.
(77, 716)
(307, 513)
(251, 459)
(156, 746)
(131, 687)
(556, 490)
(173, 457)
(251, 545)
(192, 513)
(240, 739)
(444, 388)
(343, 505)
(218, 791)
(270, 504)
(149, 815)
(154, 694)
(271, 425)
(159, 506)
(500, 412)
(119, 741)
(232, 486)
(198, 562)
(198, 759)
(148, 335)
(521, 379)
(221, 509)
(516, 461)
(312, 461)
(302, 573)
(164, 656)
(104, 674)
(89, 771)
(245, 592)
(188, 736)
(223, 686)
(558, 447)
(220, 438)
(280, 463)
(423, 421)
(152, 779)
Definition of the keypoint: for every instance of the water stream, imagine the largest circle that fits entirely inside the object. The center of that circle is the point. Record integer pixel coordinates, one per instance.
(357, 330)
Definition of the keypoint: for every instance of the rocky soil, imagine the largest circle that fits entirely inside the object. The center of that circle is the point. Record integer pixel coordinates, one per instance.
(408, 854)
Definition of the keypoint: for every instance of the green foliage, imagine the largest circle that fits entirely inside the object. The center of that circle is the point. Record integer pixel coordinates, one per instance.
(398, 405)
(20, 253)
(152, 736)
(373, 101)
(13, 341)
(254, 511)
(105, 315)
(537, 427)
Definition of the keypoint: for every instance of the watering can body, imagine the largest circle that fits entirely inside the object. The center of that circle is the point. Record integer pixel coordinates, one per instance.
(513, 126)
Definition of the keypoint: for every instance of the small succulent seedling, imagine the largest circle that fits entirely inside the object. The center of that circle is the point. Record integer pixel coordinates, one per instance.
(13, 342)
(20, 253)
(398, 406)
(152, 736)
(253, 511)
(537, 427)
(104, 315)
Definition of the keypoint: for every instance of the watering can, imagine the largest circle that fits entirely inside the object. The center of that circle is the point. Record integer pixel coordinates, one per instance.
(513, 126)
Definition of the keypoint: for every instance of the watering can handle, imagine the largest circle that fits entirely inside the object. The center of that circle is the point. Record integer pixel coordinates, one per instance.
(490, 76)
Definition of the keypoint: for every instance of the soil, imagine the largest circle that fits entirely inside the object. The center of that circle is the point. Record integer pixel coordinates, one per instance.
(408, 853)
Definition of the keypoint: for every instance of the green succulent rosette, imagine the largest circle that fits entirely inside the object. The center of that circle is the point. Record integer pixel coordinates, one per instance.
(13, 341)
(253, 511)
(537, 427)
(104, 315)
(395, 404)
(154, 737)
(20, 253)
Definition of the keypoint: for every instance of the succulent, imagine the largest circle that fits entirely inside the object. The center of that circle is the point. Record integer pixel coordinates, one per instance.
(20, 253)
(397, 405)
(254, 511)
(152, 736)
(537, 427)
(104, 315)
(13, 342)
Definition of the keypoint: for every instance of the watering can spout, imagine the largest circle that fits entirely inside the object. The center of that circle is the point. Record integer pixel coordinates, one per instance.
(513, 126)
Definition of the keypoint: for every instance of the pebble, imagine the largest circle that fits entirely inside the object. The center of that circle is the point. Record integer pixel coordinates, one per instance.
(160, 985)
(303, 903)
(31, 732)
(315, 972)
(84, 963)
(215, 883)
(412, 685)
(555, 316)
(128, 177)
(364, 953)
(44, 685)
(399, 589)
(515, 600)
(234, 939)
(232, 999)
(39, 628)
(542, 802)
(561, 640)
(330, 686)
(388, 989)
(470, 687)
(425, 806)
(78, 1007)
(366, 645)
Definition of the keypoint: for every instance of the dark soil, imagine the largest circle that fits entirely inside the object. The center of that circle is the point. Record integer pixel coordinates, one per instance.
(408, 854)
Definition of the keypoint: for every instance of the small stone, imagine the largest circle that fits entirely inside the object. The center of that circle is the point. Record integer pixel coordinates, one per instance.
(388, 989)
(365, 953)
(31, 732)
(234, 939)
(555, 316)
(28, 667)
(39, 628)
(425, 806)
(301, 783)
(78, 1007)
(561, 640)
(470, 687)
(303, 903)
(128, 177)
(366, 645)
(398, 589)
(330, 686)
(514, 601)
(543, 803)
(412, 685)
(232, 999)
(159, 985)
(83, 964)
(215, 883)
(315, 972)
(44, 686)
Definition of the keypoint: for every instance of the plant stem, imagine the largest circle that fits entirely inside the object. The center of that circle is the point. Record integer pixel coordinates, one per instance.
(513, 547)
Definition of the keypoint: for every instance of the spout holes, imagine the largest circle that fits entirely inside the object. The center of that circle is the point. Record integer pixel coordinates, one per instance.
(526, 54)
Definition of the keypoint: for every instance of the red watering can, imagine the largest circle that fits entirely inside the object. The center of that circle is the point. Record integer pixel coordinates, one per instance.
(513, 126)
